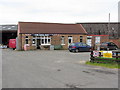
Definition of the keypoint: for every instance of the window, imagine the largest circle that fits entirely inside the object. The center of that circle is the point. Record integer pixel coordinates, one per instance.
(33, 40)
(62, 40)
(97, 40)
(81, 38)
(89, 40)
(70, 39)
(112, 44)
(84, 44)
(26, 39)
(79, 44)
(46, 40)
(42, 41)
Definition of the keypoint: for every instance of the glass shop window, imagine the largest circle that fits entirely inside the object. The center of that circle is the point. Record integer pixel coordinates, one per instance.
(81, 38)
(26, 39)
(62, 40)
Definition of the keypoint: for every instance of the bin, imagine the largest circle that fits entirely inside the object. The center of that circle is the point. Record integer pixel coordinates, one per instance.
(26, 47)
(51, 47)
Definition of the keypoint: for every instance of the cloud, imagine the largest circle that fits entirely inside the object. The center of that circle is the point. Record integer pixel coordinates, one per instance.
(61, 11)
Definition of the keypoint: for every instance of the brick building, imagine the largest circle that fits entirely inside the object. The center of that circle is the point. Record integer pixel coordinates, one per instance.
(7, 32)
(34, 35)
(102, 32)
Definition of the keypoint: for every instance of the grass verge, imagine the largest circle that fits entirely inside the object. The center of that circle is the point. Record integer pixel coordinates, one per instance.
(107, 65)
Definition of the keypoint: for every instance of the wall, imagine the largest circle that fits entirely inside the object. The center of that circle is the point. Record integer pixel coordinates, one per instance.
(116, 41)
(102, 39)
(55, 40)
(29, 42)
(106, 39)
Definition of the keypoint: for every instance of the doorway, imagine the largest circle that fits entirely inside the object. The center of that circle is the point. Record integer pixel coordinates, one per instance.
(70, 40)
(38, 43)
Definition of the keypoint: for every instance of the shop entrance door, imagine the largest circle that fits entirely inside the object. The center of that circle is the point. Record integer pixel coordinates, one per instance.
(38, 43)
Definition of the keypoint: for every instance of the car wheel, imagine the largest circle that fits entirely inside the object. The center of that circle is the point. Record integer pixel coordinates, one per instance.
(76, 50)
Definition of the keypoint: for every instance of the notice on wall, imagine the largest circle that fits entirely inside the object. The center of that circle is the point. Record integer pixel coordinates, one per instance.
(96, 53)
(107, 54)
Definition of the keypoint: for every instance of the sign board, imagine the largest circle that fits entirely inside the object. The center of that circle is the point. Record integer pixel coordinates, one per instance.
(40, 34)
(107, 54)
(97, 40)
(96, 53)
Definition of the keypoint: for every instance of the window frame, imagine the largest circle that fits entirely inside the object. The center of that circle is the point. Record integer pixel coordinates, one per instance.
(26, 40)
(81, 38)
(34, 38)
(62, 40)
(70, 38)
(44, 42)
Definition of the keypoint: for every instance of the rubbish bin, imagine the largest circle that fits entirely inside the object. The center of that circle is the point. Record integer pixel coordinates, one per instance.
(51, 47)
(26, 47)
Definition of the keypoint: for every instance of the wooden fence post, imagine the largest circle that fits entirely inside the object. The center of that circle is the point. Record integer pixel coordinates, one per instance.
(92, 57)
(116, 55)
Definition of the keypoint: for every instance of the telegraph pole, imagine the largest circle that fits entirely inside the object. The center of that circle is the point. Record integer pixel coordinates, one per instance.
(109, 26)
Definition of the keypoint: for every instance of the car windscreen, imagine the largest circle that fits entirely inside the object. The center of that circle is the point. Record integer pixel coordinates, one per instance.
(72, 44)
(104, 44)
(84, 44)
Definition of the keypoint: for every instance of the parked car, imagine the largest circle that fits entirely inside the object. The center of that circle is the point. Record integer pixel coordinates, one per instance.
(79, 46)
(108, 46)
(3, 46)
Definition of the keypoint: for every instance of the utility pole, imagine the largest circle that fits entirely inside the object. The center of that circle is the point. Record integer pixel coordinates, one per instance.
(109, 26)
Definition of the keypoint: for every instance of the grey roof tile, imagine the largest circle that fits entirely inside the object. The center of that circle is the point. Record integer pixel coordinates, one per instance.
(8, 27)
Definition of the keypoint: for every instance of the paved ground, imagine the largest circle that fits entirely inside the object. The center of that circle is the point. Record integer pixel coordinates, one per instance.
(53, 69)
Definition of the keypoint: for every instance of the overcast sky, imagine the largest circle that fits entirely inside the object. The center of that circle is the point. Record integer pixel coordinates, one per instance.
(58, 11)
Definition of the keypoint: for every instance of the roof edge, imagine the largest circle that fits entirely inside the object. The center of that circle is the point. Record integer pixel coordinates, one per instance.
(50, 23)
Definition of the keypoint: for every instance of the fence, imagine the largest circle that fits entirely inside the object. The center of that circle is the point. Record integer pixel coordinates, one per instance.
(99, 57)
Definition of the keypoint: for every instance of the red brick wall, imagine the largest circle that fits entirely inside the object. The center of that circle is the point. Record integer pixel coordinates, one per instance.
(55, 40)
(102, 39)
(116, 41)
(106, 39)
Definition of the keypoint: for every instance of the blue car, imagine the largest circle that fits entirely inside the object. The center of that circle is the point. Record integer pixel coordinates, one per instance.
(79, 46)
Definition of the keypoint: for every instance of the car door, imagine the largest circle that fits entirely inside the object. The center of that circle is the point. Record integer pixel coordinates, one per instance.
(113, 46)
(110, 46)
(85, 47)
(82, 47)
(79, 46)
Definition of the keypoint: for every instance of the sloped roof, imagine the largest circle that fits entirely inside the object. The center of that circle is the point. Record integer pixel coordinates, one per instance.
(8, 27)
(53, 28)
(104, 28)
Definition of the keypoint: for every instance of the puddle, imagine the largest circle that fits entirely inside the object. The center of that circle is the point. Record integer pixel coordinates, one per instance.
(101, 71)
(71, 86)
(88, 72)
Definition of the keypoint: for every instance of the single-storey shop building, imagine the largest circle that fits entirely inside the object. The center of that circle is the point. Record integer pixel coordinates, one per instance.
(35, 35)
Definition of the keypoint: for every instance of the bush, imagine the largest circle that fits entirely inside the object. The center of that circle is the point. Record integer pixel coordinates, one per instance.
(46, 46)
(106, 60)
(57, 47)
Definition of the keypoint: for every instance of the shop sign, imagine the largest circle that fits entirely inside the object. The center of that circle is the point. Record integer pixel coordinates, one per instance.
(41, 34)
(107, 54)
(27, 34)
